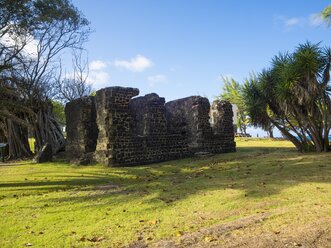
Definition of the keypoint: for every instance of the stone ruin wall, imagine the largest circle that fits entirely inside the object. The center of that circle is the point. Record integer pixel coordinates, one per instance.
(115, 129)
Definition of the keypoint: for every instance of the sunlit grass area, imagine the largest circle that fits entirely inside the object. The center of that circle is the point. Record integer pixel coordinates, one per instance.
(62, 205)
(31, 144)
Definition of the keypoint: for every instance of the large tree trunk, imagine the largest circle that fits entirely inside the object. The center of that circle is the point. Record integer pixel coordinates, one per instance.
(18, 140)
(270, 132)
(242, 124)
(288, 135)
(3, 138)
(244, 129)
(48, 130)
(327, 146)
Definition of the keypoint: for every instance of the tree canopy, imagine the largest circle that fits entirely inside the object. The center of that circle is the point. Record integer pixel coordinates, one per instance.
(326, 13)
(33, 33)
(294, 95)
(232, 92)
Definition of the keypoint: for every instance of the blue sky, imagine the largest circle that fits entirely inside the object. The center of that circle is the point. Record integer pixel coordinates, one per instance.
(181, 48)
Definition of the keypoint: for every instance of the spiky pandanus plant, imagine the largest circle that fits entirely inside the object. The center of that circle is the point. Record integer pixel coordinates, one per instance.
(326, 14)
(294, 95)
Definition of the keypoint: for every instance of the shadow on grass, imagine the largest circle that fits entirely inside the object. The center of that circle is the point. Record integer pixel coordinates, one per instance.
(258, 172)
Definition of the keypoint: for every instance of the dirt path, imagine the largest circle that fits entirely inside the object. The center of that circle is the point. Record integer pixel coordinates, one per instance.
(317, 234)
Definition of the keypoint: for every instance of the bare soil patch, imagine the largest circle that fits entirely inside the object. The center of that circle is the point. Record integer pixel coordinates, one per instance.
(246, 232)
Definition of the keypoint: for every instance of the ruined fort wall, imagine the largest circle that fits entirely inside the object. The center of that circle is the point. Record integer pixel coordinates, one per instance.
(190, 117)
(142, 130)
(82, 130)
(205, 128)
(148, 140)
(221, 121)
(113, 120)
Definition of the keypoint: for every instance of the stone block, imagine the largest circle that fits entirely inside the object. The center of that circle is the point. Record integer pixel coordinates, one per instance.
(82, 130)
(142, 130)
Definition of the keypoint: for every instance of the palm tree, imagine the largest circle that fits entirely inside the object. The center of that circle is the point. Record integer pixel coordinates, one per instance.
(326, 13)
(294, 95)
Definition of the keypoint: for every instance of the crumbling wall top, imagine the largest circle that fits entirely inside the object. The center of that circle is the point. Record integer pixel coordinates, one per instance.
(148, 114)
(113, 91)
(129, 130)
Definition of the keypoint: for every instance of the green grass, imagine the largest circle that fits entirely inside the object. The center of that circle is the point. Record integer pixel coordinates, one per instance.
(31, 144)
(62, 205)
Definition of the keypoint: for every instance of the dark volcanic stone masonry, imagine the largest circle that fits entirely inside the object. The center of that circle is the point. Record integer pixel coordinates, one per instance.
(122, 130)
(82, 130)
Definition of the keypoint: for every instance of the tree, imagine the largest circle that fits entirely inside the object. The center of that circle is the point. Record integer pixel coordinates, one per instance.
(58, 111)
(13, 124)
(75, 85)
(326, 13)
(15, 22)
(63, 27)
(25, 78)
(232, 92)
(294, 95)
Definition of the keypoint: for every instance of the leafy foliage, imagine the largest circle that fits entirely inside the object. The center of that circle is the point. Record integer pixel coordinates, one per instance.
(326, 13)
(294, 95)
(58, 110)
(232, 92)
(26, 77)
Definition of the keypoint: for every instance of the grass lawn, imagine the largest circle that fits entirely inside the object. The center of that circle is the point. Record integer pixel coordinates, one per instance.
(62, 205)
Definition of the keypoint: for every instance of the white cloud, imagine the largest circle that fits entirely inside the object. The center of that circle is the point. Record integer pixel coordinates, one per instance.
(289, 22)
(136, 64)
(98, 79)
(316, 20)
(313, 20)
(156, 79)
(97, 65)
(98, 76)
(30, 47)
(292, 22)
